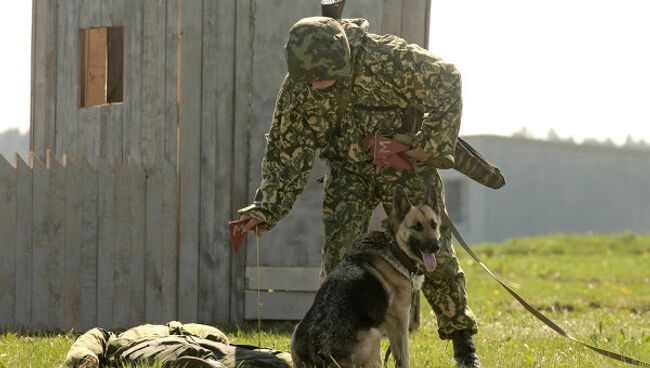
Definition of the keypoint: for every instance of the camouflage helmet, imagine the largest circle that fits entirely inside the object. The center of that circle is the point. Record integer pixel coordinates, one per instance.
(318, 49)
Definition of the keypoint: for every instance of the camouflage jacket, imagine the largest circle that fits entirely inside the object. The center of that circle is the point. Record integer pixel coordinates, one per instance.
(389, 75)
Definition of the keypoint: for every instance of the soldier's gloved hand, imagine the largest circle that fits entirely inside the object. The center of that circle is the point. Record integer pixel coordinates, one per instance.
(252, 225)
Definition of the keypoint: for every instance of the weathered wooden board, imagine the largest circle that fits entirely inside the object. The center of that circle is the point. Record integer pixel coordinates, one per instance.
(414, 17)
(121, 301)
(7, 243)
(284, 278)
(72, 247)
(169, 245)
(105, 242)
(55, 218)
(24, 233)
(40, 315)
(88, 133)
(92, 44)
(285, 306)
(133, 78)
(391, 21)
(113, 13)
(225, 120)
(154, 246)
(171, 81)
(137, 223)
(68, 92)
(153, 82)
(241, 124)
(44, 76)
(189, 156)
(209, 281)
(111, 132)
(89, 246)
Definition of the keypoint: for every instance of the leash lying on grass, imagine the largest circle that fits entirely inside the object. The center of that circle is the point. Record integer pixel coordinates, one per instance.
(547, 321)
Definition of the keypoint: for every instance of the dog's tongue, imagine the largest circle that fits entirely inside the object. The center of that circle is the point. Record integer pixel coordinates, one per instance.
(429, 260)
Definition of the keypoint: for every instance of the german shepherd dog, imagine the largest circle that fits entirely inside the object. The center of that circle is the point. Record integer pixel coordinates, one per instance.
(369, 294)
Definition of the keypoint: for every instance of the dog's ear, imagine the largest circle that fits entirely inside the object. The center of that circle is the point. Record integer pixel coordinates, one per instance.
(431, 199)
(401, 204)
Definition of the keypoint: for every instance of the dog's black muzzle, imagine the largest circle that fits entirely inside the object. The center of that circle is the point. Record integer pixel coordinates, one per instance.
(431, 248)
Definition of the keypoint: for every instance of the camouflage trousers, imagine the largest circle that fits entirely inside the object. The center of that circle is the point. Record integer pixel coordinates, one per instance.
(350, 199)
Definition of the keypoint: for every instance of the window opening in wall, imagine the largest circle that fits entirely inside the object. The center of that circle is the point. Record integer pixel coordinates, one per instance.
(102, 64)
(455, 199)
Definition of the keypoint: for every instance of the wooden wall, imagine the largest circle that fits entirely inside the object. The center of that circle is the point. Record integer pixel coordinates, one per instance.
(200, 81)
(85, 246)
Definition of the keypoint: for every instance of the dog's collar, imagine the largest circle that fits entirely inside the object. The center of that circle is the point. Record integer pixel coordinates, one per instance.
(412, 267)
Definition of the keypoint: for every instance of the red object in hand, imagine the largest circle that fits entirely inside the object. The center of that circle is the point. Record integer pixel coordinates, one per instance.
(237, 234)
(387, 152)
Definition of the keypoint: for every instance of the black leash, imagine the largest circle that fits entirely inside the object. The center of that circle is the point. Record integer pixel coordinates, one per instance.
(547, 321)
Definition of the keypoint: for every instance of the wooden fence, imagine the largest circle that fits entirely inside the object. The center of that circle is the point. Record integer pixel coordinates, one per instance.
(82, 246)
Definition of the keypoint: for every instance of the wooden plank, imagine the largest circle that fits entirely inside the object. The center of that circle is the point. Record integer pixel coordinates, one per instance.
(171, 81)
(414, 19)
(240, 175)
(189, 169)
(7, 244)
(153, 84)
(154, 247)
(90, 14)
(284, 306)
(137, 223)
(23, 244)
(44, 76)
(284, 278)
(88, 133)
(72, 248)
(391, 21)
(68, 96)
(88, 130)
(94, 66)
(56, 237)
(169, 245)
(209, 281)
(92, 43)
(111, 132)
(225, 80)
(89, 250)
(93, 76)
(105, 241)
(133, 78)
(41, 266)
(111, 136)
(113, 13)
(121, 249)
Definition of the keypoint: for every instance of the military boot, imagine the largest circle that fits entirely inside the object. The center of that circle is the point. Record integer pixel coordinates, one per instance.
(464, 350)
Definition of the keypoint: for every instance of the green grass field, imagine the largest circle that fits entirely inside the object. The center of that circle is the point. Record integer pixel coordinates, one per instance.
(595, 286)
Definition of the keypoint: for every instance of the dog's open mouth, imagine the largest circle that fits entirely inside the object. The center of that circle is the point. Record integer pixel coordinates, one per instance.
(429, 260)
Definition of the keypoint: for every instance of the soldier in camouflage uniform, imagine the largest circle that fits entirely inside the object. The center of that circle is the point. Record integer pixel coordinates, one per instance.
(344, 85)
(173, 345)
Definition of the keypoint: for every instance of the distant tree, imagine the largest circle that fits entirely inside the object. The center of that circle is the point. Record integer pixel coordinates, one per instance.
(552, 136)
(631, 143)
(523, 133)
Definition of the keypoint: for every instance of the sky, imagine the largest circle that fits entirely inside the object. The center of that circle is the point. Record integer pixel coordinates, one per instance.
(579, 67)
